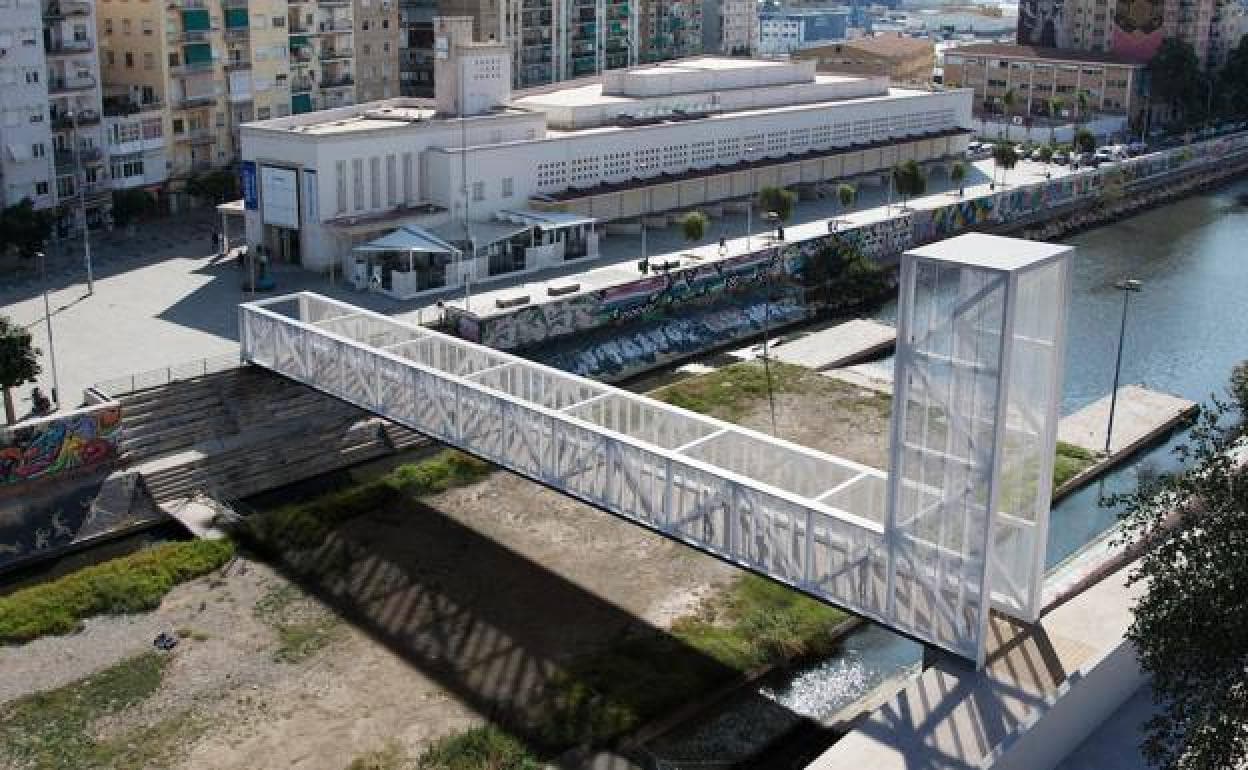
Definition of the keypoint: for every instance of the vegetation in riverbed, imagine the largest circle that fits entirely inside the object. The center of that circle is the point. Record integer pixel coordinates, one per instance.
(729, 393)
(476, 749)
(1070, 462)
(57, 729)
(755, 623)
(303, 627)
(132, 583)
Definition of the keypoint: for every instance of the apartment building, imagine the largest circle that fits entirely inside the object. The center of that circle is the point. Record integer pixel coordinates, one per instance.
(787, 31)
(322, 54)
(669, 29)
(376, 46)
(1037, 75)
(166, 57)
(730, 27)
(50, 118)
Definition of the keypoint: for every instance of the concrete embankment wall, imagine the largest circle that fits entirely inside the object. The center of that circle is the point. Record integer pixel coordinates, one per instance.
(106, 470)
(635, 326)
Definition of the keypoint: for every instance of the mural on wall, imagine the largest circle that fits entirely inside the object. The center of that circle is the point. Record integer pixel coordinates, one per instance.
(54, 445)
(933, 224)
(1042, 23)
(1137, 29)
(640, 346)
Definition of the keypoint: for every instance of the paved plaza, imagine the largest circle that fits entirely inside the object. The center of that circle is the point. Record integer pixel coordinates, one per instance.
(162, 298)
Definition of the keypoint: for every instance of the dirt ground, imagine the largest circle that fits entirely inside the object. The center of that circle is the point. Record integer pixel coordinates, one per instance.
(432, 619)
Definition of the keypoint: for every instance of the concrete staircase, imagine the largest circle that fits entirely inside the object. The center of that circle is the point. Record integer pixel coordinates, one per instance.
(243, 431)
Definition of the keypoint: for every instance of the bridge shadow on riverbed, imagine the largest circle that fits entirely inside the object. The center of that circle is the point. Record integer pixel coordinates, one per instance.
(501, 631)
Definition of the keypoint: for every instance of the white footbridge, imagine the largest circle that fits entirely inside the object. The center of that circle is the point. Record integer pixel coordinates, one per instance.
(959, 527)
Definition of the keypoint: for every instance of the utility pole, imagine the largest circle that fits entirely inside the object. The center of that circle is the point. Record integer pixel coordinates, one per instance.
(82, 201)
(47, 317)
(1126, 287)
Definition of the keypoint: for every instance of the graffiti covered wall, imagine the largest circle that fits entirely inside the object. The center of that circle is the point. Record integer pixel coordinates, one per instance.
(45, 448)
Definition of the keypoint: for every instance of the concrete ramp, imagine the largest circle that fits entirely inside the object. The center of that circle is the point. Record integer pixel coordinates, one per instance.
(1141, 416)
(840, 345)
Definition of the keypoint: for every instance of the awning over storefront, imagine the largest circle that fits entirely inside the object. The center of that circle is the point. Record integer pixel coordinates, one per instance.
(482, 234)
(546, 220)
(409, 238)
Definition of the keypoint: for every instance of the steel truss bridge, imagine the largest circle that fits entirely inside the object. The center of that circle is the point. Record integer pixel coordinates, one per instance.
(818, 523)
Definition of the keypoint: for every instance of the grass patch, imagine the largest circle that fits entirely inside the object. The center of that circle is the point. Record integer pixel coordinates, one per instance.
(303, 627)
(132, 583)
(480, 748)
(728, 393)
(53, 729)
(756, 623)
(306, 525)
(1070, 462)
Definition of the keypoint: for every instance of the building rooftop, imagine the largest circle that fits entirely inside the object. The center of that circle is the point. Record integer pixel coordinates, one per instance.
(1010, 50)
(884, 45)
(370, 116)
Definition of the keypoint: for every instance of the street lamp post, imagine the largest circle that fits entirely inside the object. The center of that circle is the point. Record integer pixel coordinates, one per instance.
(47, 317)
(1126, 287)
(82, 200)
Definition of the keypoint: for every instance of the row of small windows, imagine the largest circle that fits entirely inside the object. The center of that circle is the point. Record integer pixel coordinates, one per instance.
(587, 170)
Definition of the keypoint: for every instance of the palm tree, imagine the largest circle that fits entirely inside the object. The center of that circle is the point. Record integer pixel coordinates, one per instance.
(1005, 157)
(694, 226)
(958, 175)
(1082, 100)
(908, 180)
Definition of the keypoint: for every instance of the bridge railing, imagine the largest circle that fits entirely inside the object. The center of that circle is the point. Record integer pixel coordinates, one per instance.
(808, 519)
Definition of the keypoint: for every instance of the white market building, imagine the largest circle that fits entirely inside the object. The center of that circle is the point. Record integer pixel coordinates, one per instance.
(538, 174)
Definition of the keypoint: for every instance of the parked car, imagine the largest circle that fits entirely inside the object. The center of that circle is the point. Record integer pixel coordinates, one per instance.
(1086, 159)
(1061, 157)
(1136, 148)
(1103, 155)
(1038, 154)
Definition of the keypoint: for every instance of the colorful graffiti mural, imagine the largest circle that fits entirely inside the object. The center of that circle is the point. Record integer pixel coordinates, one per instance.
(54, 445)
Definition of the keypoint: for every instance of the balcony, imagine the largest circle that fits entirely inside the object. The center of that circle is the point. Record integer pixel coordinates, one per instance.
(336, 54)
(190, 36)
(238, 65)
(333, 3)
(191, 68)
(299, 29)
(69, 47)
(301, 86)
(343, 82)
(237, 33)
(191, 102)
(188, 5)
(64, 8)
(196, 136)
(60, 122)
(64, 159)
(331, 27)
(69, 85)
(234, 5)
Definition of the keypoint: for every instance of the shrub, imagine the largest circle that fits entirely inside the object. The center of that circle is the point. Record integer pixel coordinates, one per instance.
(477, 749)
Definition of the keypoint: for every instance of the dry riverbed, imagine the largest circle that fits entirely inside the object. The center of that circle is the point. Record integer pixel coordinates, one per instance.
(424, 621)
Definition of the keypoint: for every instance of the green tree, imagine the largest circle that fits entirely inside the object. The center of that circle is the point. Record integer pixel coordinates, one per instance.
(1004, 158)
(779, 200)
(846, 194)
(214, 186)
(694, 226)
(132, 205)
(1232, 82)
(25, 229)
(1081, 102)
(957, 175)
(1085, 141)
(19, 362)
(1188, 627)
(1174, 74)
(1046, 153)
(1056, 105)
(909, 180)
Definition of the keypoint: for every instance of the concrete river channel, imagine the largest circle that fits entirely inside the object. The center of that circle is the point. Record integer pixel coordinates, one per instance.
(1185, 331)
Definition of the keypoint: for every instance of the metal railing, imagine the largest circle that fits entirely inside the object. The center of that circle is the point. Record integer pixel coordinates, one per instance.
(155, 378)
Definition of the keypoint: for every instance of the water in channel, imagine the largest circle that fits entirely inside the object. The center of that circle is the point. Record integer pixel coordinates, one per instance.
(1185, 330)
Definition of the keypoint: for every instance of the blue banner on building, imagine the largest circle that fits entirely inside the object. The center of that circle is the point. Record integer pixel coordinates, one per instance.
(247, 180)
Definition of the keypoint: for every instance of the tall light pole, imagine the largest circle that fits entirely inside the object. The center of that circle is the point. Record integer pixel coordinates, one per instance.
(1126, 287)
(82, 200)
(47, 317)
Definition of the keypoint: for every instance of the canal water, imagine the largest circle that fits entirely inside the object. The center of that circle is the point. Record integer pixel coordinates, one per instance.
(1185, 331)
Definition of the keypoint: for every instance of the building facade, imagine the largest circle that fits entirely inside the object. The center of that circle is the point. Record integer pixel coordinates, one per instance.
(784, 32)
(54, 150)
(730, 27)
(629, 143)
(1037, 76)
(902, 59)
